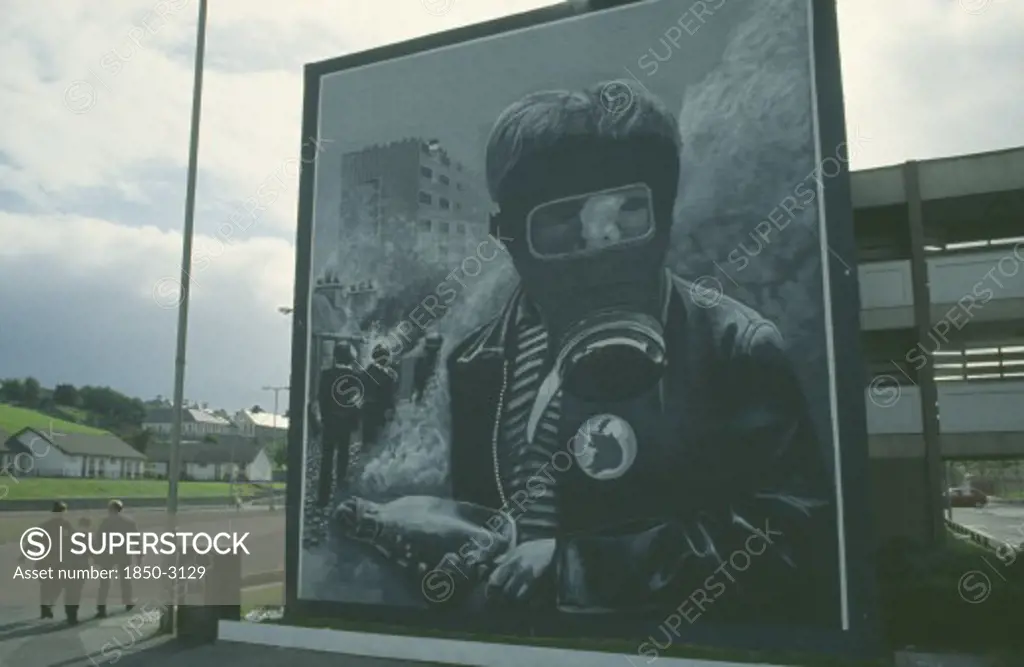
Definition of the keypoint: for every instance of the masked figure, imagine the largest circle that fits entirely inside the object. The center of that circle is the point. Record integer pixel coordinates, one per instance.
(640, 436)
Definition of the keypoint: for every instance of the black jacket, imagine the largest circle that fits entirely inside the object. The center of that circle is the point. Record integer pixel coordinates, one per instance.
(342, 389)
(727, 458)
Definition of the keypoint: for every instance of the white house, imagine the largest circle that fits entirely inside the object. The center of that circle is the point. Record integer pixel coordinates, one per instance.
(263, 425)
(6, 453)
(33, 453)
(193, 422)
(230, 457)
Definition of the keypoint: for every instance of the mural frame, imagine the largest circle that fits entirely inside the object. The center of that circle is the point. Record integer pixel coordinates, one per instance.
(862, 635)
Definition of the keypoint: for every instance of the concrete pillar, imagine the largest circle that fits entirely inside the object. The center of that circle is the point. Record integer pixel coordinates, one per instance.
(932, 463)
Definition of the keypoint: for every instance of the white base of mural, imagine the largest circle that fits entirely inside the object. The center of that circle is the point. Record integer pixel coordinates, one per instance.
(448, 651)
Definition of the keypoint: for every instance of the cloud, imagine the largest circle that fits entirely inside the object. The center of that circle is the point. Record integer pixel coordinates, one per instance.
(88, 301)
(928, 78)
(92, 195)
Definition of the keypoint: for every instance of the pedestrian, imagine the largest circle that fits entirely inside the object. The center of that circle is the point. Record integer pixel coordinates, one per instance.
(75, 576)
(114, 524)
(341, 394)
(50, 587)
(381, 384)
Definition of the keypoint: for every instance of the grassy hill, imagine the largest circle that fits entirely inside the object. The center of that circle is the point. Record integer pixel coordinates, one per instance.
(13, 419)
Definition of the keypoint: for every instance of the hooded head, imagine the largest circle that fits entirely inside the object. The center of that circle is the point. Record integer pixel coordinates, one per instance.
(586, 184)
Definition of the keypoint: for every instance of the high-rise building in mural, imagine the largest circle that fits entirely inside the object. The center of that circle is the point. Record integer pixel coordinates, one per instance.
(414, 182)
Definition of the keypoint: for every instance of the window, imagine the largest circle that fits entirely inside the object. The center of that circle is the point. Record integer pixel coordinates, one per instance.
(424, 225)
(444, 180)
(461, 228)
(427, 172)
(446, 161)
(458, 186)
(458, 206)
(445, 204)
(980, 363)
(443, 227)
(425, 198)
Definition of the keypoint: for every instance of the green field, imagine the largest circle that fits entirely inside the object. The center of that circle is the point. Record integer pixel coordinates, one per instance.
(40, 488)
(14, 419)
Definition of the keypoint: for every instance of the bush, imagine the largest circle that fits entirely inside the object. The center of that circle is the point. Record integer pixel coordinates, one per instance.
(958, 597)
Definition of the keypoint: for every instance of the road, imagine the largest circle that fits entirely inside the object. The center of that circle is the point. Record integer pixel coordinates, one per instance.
(1003, 522)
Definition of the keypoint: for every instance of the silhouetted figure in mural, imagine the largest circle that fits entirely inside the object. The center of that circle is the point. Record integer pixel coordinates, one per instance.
(425, 366)
(381, 386)
(341, 394)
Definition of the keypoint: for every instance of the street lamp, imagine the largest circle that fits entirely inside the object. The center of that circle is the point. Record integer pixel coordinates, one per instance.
(174, 464)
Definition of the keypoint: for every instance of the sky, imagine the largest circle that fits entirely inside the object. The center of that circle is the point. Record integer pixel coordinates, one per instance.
(94, 120)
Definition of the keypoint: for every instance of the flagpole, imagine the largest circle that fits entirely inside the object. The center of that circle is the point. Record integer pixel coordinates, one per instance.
(174, 465)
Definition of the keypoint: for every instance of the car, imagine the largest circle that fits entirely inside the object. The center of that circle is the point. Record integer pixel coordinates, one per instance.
(966, 497)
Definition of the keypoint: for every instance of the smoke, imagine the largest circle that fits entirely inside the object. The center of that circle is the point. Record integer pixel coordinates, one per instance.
(413, 455)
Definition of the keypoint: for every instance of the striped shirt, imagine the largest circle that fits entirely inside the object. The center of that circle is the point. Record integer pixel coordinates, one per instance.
(526, 469)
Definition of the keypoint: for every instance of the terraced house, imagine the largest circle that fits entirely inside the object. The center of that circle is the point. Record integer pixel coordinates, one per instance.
(36, 454)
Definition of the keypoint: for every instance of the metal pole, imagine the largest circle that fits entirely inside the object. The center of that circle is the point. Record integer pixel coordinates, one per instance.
(174, 466)
(186, 265)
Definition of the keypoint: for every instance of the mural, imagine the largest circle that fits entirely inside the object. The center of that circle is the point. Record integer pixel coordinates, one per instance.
(567, 341)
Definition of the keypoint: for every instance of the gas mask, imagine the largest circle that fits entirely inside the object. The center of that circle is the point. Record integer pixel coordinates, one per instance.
(594, 268)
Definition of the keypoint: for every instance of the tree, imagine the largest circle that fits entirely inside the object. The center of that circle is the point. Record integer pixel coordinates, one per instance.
(140, 440)
(11, 390)
(210, 438)
(279, 453)
(256, 409)
(113, 409)
(31, 392)
(66, 394)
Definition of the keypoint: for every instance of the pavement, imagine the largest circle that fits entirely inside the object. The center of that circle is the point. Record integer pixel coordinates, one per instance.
(115, 641)
(1003, 522)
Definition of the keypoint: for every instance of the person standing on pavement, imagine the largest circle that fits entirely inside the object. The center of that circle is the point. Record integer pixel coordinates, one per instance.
(50, 587)
(115, 524)
(73, 584)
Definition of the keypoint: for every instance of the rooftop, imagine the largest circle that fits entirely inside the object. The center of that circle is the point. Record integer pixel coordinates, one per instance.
(264, 419)
(188, 415)
(76, 444)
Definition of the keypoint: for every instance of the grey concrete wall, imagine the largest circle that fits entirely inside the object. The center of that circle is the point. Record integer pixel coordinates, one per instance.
(898, 488)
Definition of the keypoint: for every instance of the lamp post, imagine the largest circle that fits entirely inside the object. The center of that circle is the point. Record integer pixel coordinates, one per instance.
(174, 465)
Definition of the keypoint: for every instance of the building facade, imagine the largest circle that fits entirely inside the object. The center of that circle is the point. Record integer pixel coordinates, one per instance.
(32, 453)
(193, 422)
(415, 182)
(264, 426)
(229, 458)
(941, 249)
